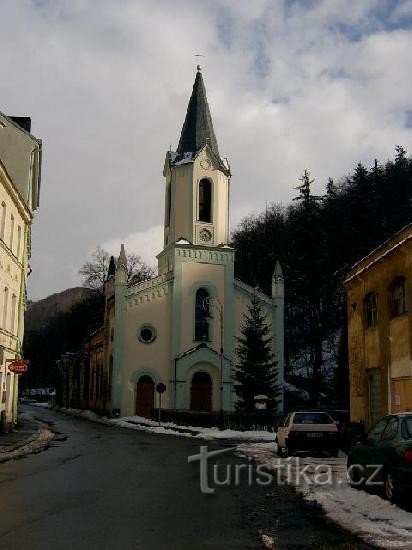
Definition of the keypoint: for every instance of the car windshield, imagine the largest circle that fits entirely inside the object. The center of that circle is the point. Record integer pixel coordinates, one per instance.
(407, 427)
(312, 418)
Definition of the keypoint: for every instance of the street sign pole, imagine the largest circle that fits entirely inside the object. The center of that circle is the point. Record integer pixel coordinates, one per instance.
(160, 388)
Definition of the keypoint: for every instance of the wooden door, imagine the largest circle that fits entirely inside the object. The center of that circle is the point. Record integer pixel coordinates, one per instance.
(201, 392)
(145, 397)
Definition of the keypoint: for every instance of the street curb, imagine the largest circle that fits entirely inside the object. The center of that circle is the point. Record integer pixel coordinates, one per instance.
(34, 444)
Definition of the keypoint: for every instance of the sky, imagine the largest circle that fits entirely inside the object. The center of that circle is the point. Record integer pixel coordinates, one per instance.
(291, 84)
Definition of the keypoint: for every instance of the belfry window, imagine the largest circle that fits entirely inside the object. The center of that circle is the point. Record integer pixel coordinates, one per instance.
(202, 316)
(205, 201)
(168, 203)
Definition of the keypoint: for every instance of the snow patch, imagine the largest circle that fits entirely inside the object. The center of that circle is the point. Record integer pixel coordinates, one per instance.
(368, 516)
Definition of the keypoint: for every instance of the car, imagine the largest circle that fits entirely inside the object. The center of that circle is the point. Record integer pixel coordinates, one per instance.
(384, 456)
(308, 431)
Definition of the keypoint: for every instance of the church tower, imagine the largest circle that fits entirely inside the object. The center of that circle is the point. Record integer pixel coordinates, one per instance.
(197, 180)
(180, 327)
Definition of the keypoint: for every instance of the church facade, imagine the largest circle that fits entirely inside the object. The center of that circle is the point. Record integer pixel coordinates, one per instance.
(180, 327)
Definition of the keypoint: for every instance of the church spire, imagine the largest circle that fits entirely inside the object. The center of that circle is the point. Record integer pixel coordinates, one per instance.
(198, 129)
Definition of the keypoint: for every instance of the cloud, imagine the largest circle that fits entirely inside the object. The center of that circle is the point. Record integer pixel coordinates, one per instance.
(144, 243)
(291, 85)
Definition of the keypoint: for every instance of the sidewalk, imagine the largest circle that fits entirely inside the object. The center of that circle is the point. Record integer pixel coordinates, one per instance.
(29, 436)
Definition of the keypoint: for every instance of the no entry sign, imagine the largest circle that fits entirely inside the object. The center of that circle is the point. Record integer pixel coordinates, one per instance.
(160, 388)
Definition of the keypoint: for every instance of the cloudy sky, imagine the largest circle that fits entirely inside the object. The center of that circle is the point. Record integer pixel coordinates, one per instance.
(292, 84)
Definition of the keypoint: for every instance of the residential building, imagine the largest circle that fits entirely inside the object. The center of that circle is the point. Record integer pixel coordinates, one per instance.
(20, 161)
(379, 304)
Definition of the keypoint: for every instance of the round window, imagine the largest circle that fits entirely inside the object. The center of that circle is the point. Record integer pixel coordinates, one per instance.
(147, 334)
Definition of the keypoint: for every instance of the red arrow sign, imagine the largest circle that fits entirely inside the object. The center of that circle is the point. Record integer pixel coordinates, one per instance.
(18, 366)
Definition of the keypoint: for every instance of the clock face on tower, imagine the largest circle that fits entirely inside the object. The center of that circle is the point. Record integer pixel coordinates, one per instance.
(205, 235)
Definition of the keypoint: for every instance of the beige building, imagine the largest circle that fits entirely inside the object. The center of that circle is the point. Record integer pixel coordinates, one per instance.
(20, 160)
(379, 298)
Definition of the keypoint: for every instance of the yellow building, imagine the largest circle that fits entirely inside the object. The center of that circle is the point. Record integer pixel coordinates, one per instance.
(20, 160)
(379, 298)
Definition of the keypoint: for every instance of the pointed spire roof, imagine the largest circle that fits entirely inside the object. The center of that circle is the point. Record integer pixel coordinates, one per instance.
(198, 129)
(278, 273)
(122, 261)
(112, 268)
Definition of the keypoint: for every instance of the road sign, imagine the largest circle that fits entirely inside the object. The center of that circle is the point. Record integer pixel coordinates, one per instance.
(18, 366)
(160, 388)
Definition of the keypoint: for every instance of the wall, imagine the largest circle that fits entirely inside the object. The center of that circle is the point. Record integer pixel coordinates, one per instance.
(387, 346)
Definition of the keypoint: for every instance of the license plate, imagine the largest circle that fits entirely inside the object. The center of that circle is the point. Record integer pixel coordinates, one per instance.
(314, 435)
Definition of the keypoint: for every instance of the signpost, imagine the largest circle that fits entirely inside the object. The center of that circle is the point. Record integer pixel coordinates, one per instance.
(160, 388)
(18, 366)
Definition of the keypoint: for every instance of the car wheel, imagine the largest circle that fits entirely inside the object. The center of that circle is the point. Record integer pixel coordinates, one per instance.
(389, 487)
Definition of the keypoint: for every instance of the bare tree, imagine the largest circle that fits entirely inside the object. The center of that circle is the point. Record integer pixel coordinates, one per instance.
(94, 272)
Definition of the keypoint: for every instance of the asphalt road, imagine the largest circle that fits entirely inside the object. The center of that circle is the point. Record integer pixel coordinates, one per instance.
(116, 489)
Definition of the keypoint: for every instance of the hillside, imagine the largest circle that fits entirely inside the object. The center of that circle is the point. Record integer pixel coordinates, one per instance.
(38, 313)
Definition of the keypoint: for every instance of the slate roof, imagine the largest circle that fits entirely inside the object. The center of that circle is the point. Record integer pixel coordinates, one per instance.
(198, 129)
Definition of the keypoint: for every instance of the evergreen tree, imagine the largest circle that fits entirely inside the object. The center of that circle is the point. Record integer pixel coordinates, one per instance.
(255, 372)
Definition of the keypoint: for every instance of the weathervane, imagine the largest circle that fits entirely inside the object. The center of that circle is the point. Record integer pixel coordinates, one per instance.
(199, 67)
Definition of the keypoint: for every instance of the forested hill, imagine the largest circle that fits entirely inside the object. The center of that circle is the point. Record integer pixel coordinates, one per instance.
(317, 239)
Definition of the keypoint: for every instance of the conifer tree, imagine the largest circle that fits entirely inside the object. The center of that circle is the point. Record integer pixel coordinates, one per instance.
(255, 371)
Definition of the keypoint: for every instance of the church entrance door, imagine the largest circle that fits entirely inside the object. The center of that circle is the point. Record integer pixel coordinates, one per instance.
(145, 397)
(201, 392)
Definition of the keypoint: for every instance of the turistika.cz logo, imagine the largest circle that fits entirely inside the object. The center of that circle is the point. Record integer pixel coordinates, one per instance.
(282, 472)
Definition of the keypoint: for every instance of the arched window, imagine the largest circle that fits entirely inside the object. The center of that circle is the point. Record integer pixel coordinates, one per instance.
(168, 204)
(11, 231)
(3, 220)
(13, 312)
(202, 316)
(398, 296)
(371, 309)
(18, 241)
(205, 201)
(5, 306)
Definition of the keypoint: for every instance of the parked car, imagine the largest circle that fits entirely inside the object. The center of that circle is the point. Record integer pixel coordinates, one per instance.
(308, 431)
(386, 453)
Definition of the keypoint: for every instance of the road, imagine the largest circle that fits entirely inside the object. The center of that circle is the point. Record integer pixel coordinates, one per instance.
(116, 489)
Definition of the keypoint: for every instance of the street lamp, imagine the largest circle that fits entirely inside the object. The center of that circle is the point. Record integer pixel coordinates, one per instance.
(209, 303)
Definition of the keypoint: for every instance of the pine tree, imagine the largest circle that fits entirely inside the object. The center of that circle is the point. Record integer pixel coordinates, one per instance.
(255, 372)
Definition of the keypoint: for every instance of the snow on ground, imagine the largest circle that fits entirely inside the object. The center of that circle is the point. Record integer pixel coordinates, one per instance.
(41, 405)
(369, 516)
(169, 428)
(39, 441)
(138, 422)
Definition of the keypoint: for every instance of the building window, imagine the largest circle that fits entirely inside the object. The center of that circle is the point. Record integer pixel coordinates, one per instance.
(398, 297)
(5, 306)
(11, 231)
(205, 201)
(18, 241)
(202, 315)
(13, 312)
(371, 310)
(3, 220)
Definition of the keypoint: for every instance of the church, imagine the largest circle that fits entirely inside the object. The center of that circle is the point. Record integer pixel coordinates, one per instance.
(179, 328)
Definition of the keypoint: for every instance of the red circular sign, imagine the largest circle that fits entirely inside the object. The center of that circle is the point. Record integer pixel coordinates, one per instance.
(160, 388)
